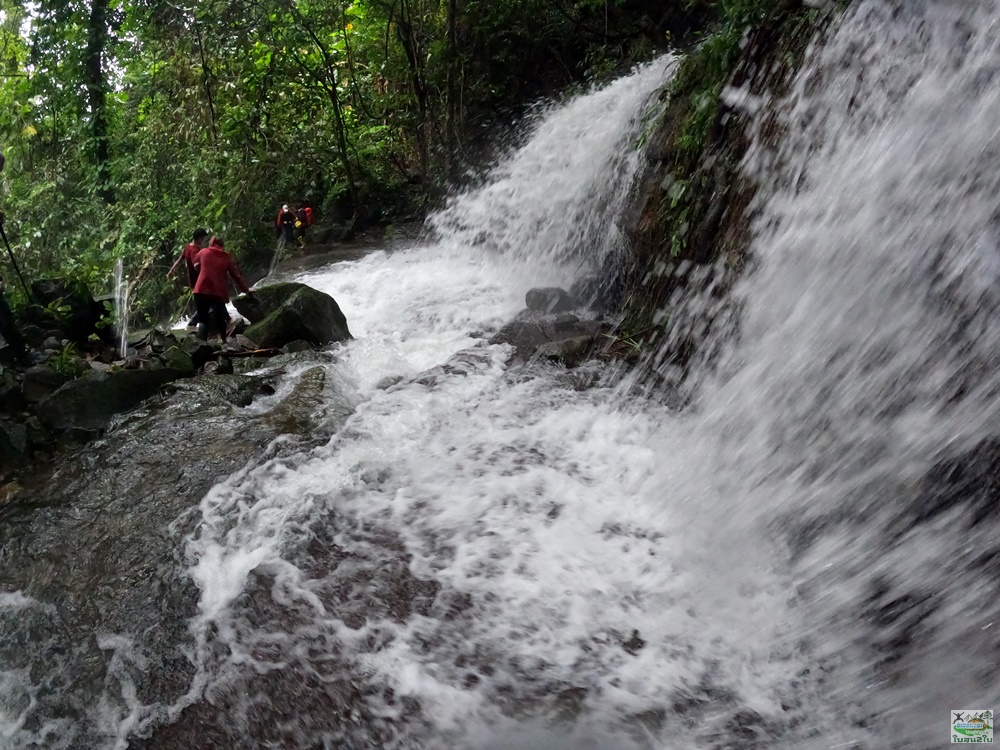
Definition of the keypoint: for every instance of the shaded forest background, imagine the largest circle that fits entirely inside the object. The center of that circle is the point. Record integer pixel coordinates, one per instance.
(127, 123)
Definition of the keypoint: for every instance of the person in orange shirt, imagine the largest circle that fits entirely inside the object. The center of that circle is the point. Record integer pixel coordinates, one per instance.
(214, 267)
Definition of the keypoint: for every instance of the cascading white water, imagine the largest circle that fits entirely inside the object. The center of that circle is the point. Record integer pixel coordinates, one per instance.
(496, 559)
(513, 498)
(870, 354)
(121, 307)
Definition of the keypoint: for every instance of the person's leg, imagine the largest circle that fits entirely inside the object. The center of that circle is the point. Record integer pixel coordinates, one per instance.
(220, 317)
(193, 279)
(203, 303)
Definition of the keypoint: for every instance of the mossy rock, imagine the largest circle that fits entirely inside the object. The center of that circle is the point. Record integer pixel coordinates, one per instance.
(178, 359)
(308, 315)
(266, 300)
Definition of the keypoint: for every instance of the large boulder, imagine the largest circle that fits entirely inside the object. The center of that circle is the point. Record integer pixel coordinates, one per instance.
(266, 300)
(90, 402)
(40, 381)
(307, 314)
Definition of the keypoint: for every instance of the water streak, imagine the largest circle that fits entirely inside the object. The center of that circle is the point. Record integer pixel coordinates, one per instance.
(121, 307)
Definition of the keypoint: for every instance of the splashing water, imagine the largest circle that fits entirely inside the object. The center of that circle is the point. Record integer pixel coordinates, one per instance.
(484, 558)
(869, 357)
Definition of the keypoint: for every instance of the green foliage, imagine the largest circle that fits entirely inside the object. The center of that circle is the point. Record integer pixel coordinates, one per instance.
(126, 129)
(66, 361)
(57, 311)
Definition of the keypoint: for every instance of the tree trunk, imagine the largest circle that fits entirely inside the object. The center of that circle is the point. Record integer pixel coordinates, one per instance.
(451, 115)
(408, 40)
(97, 38)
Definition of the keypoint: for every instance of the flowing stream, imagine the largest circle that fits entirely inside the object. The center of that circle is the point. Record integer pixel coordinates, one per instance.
(485, 557)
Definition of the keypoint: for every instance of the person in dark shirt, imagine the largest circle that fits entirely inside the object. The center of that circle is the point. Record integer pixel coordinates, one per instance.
(211, 290)
(286, 224)
(199, 240)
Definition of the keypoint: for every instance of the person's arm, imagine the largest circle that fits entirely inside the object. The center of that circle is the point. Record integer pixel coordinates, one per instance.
(238, 278)
(173, 268)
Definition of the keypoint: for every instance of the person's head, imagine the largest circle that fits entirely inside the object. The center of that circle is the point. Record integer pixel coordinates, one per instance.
(200, 237)
(217, 242)
(285, 208)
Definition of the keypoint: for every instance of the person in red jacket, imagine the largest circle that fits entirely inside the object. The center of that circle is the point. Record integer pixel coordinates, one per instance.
(211, 291)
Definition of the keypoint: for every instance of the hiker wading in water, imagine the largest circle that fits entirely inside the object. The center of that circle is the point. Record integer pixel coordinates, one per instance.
(211, 290)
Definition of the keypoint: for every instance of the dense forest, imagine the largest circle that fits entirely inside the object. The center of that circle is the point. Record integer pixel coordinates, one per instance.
(126, 123)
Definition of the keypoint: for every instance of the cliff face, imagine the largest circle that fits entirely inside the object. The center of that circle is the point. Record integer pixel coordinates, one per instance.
(690, 227)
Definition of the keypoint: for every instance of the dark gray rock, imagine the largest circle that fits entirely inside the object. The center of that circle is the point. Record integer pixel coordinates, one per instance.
(199, 351)
(138, 336)
(241, 342)
(40, 381)
(11, 397)
(175, 358)
(388, 382)
(38, 436)
(33, 335)
(89, 403)
(13, 440)
(531, 330)
(294, 347)
(461, 363)
(159, 341)
(308, 315)
(570, 352)
(549, 300)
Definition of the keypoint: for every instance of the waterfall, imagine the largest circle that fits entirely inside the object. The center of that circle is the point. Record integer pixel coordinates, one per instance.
(121, 307)
(803, 557)
(869, 357)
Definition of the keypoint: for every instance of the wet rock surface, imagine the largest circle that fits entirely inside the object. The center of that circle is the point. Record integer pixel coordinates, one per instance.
(549, 300)
(93, 548)
(73, 390)
(531, 330)
(91, 402)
